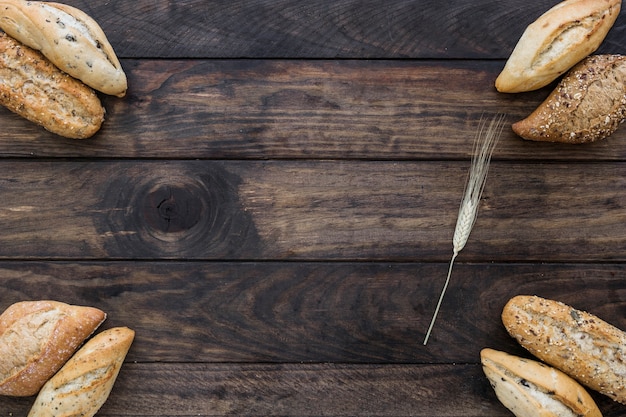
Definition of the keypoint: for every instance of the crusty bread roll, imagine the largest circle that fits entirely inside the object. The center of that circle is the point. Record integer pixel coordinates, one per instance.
(555, 42)
(84, 383)
(69, 38)
(38, 91)
(588, 104)
(37, 338)
(576, 342)
(529, 388)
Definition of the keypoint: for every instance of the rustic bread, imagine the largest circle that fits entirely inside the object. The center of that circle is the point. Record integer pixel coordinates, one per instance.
(587, 105)
(84, 383)
(38, 91)
(37, 338)
(555, 42)
(530, 388)
(69, 38)
(576, 342)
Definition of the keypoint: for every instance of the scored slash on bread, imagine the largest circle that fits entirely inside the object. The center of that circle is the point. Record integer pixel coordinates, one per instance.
(578, 343)
(37, 338)
(529, 388)
(555, 42)
(84, 383)
(587, 105)
(69, 38)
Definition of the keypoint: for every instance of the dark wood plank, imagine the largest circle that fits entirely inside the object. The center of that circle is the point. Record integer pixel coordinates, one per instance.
(243, 109)
(306, 390)
(482, 29)
(320, 390)
(277, 312)
(308, 210)
(297, 390)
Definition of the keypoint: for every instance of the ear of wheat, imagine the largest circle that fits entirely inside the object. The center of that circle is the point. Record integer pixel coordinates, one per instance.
(485, 142)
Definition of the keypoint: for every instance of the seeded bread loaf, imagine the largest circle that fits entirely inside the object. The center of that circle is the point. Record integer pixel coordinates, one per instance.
(84, 383)
(578, 343)
(37, 338)
(38, 91)
(69, 38)
(530, 388)
(555, 42)
(588, 104)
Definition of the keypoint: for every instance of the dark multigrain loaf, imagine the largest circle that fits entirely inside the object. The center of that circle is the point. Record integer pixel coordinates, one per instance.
(576, 342)
(35, 89)
(588, 104)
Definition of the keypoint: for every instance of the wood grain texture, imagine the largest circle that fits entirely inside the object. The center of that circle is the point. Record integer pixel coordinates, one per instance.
(278, 312)
(271, 208)
(254, 109)
(305, 390)
(482, 29)
(293, 389)
(308, 210)
(320, 390)
(307, 338)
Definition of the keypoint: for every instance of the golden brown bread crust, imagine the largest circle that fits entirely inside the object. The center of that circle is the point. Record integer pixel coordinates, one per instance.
(578, 343)
(588, 104)
(555, 42)
(84, 383)
(37, 338)
(38, 91)
(528, 387)
(69, 38)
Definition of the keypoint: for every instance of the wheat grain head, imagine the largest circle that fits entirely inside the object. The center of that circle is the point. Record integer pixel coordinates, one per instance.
(485, 141)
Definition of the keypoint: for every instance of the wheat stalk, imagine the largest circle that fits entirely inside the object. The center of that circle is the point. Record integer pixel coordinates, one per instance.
(485, 142)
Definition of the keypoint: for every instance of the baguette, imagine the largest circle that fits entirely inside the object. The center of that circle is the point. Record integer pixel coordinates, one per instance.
(578, 343)
(529, 388)
(555, 42)
(38, 91)
(69, 38)
(37, 338)
(84, 383)
(588, 104)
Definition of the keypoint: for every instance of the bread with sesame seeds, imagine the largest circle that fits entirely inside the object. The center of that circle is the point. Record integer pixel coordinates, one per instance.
(37, 90)
(85, 382)
(531, 388)
(37, 338)
(69, 38)
(587, 105)
(576, 342)
(555, 42)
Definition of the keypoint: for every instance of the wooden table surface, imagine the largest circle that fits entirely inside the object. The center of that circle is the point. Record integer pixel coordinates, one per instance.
(271, 207)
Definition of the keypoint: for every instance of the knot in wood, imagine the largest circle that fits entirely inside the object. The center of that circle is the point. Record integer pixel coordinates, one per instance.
(172, 209)
(188, 209)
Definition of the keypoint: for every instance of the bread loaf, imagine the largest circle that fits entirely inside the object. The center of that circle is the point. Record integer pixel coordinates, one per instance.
(37, 338)
(84, 383)
(576, 342)
(69, 38)
(529, 388)
(555, 42)
(38, 91)
(588, 104)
